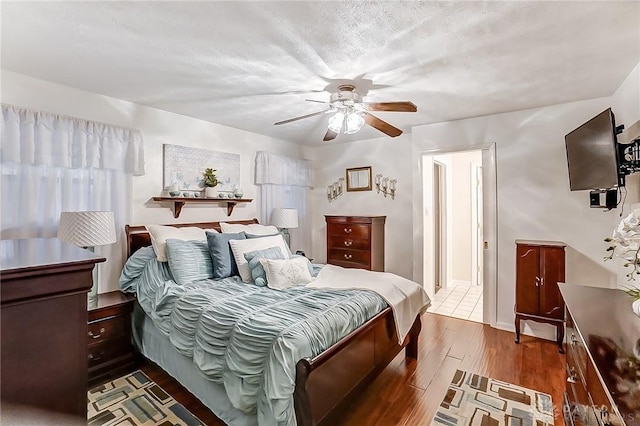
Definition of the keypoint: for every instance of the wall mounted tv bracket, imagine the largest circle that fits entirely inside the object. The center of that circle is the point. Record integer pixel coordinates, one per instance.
(628, 151)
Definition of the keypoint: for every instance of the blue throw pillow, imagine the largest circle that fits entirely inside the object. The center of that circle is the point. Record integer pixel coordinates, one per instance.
(257, 271)
(189, 260)
(224, 265)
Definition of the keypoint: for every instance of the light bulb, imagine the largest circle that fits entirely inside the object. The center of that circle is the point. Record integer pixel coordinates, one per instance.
(336, 121)
(354, 122)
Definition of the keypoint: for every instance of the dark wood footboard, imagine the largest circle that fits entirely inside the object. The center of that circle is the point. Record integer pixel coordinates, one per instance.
(326, 383)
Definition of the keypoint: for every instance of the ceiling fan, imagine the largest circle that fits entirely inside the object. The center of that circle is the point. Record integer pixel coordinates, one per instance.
(350, 113)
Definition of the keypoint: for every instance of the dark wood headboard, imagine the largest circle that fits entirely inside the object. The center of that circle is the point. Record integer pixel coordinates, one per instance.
(137, 235)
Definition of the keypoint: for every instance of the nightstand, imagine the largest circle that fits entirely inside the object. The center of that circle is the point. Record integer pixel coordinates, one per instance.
(110, 352)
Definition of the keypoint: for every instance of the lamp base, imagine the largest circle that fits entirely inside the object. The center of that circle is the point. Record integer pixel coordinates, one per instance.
(92, 295)
(287, 237)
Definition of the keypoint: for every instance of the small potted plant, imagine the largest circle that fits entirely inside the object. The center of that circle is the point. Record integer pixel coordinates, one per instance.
(209, 181)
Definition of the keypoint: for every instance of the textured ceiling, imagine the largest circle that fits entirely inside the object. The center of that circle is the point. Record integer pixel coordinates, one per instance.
(250, 64)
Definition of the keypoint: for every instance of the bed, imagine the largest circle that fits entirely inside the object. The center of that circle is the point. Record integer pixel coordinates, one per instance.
(324, 383)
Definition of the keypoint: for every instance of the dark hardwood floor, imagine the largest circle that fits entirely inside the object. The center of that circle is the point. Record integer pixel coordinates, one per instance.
(408, 392)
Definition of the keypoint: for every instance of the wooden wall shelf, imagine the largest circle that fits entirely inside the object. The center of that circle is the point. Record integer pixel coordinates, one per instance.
(179, 202)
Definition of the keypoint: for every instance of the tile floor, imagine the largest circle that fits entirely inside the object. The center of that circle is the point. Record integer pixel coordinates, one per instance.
(458, 301)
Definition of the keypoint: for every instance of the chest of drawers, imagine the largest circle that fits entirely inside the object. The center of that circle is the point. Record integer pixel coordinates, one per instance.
(356, 241)
(602, 371)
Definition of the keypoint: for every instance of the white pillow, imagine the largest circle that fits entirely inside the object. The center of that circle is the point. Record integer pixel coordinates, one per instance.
(287, 273)
(253, 228)
(240, 247)
(161, 233)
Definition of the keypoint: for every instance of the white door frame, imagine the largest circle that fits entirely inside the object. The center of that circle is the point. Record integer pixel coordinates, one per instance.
(476, 223)
(422, 192)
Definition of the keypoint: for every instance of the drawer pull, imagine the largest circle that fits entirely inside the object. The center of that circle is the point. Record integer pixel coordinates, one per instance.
(348, 243)
(347, 230)
(571, 375)
(348, 256)
(97, 336)
(97, 358)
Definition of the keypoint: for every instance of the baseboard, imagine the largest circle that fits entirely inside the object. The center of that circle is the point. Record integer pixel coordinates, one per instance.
(531, 328)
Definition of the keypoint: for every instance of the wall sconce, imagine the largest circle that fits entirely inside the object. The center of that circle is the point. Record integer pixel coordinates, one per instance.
(335, 189)
(386, 186)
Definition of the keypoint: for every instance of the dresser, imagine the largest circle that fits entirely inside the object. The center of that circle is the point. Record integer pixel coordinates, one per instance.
(109, 350)
(43, 292)
(540, 266)
(603, 373)
(356, 241)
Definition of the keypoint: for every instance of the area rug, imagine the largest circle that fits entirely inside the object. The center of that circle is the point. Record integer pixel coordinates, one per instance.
(474, 400)
(135, 400)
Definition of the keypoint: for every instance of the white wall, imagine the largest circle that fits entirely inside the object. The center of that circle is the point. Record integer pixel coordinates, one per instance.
(534, 201)
(158, 127)
(392, 158)
(461, 214)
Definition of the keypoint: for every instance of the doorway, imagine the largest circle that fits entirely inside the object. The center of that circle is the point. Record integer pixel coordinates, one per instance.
(456, 218)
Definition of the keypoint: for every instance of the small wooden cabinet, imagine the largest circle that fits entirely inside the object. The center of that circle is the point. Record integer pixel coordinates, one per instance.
(110, 352)
(540, 265)
(356, 241)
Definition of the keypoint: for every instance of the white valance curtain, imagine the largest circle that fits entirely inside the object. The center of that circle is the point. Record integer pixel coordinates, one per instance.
(52, 163)
(39, 138)
(284, 182)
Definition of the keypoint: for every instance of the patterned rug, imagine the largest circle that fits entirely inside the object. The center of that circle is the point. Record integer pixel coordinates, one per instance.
(474, 400)
(135, 400)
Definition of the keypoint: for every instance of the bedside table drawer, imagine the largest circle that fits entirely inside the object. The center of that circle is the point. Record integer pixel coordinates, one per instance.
(103, 330)
(102, 353)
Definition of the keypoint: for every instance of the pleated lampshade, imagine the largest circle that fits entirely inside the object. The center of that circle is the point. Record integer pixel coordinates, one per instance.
(87, 228)
(284, 218)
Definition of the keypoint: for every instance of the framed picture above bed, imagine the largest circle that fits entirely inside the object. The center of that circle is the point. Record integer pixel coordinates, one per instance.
(359, 179)
(183, 165)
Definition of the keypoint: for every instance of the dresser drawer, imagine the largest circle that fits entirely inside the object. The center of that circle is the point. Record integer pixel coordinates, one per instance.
(105, 329)
(351, 230)
(347, 242)
(339, 256)
(102, 353)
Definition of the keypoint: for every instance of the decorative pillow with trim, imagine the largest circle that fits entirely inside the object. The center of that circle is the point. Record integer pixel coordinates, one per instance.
(240, 247)
(254, 258)
(282, 274)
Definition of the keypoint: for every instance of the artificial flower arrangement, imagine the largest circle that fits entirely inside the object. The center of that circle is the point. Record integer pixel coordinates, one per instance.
(625, 243)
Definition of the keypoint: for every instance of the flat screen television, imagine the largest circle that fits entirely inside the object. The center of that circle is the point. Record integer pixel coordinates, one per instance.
(592, 154)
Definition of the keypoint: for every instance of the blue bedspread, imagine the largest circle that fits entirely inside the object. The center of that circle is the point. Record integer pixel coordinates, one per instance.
(246, 337)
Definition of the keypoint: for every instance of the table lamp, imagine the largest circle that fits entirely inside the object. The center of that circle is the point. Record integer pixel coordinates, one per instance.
(285, 219)
(88, 229)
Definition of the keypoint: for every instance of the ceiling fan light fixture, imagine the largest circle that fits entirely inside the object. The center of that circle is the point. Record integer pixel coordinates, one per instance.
(336, 122)
(353, 122)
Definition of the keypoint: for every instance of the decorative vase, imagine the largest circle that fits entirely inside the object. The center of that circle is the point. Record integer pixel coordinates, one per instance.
(238, 193)
(210, 192)
(636, 307)
(174, 190)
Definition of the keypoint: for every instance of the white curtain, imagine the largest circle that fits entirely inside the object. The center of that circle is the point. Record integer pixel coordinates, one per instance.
(284, 182)
(52, 163)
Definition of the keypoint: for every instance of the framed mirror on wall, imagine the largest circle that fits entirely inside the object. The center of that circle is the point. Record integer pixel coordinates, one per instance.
(359, 179)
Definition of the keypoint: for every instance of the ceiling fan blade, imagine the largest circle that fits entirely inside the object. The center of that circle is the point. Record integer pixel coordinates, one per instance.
(383, 126)
(313, 100)
(391, 106)
(298, 118)
(330, 135)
